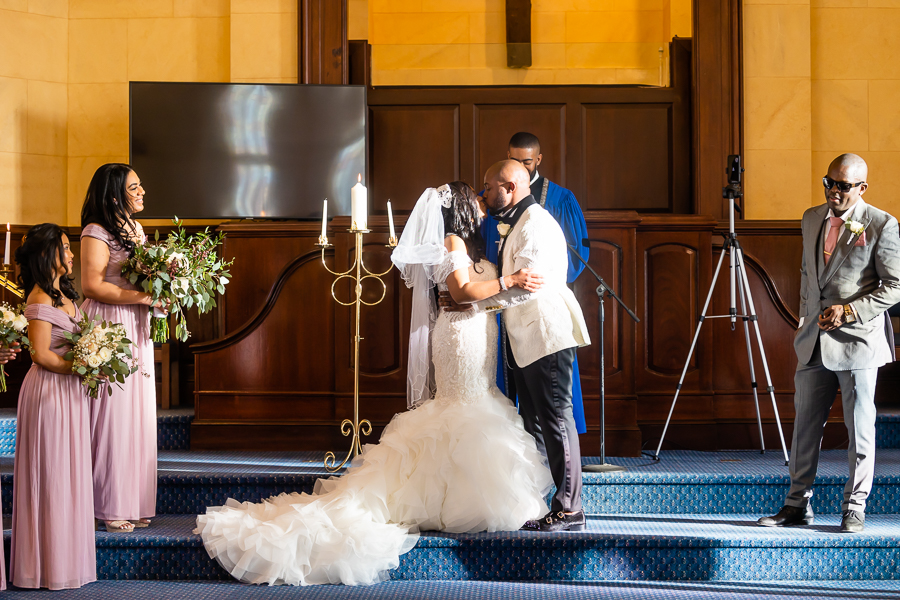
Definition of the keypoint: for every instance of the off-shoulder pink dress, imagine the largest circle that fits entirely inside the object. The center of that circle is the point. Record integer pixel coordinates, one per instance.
(53, 507)
(123, 426)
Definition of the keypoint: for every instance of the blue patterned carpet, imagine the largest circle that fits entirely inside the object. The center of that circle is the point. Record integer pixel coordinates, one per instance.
(612, 548)
(683, 482)
(473, 590)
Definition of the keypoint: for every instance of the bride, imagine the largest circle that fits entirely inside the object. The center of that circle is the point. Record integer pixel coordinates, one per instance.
(460, 462)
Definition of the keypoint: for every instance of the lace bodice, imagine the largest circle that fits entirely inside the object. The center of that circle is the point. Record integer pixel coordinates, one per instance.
(464, 344)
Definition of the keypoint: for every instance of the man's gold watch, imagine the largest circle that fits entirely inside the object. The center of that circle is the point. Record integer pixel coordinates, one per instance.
(849, 317)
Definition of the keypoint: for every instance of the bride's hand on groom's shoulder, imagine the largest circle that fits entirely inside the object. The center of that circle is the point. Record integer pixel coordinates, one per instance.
(446, 302)
(528, 280)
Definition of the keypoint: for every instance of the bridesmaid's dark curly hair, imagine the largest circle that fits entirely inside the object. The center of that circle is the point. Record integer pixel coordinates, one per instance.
(38, 258)
(106, 203)
(462, 219)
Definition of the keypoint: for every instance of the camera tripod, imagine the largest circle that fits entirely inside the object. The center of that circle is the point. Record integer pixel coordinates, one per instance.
(738, 280)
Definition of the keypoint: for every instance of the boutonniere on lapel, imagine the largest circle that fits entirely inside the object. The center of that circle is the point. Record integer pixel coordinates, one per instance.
(503, 229)
(858, 230)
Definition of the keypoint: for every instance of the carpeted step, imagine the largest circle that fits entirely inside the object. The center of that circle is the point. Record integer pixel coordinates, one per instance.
(476, 590)
(613, 547)
(887, 430)
(682, 482)
(173, 429)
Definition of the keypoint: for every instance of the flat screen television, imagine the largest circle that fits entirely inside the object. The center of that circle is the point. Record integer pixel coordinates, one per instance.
(238, 150)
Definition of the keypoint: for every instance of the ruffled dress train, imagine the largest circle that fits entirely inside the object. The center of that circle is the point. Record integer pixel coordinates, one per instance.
(460, 462)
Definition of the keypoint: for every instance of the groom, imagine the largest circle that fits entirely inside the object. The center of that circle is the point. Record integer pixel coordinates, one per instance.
(543, 330)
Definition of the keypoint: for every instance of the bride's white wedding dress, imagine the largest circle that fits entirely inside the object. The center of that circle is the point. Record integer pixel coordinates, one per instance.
(460, 462)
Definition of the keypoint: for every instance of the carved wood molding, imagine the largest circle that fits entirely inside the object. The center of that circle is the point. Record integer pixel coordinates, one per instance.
(260, 316)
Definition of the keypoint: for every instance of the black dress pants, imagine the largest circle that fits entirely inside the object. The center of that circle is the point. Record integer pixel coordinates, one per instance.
(544, 389)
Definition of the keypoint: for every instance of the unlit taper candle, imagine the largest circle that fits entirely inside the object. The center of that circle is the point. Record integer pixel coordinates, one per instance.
(391, 221)
(6, 254)
(324, 217)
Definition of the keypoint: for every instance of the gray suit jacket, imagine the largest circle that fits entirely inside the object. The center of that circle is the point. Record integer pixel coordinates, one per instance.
(868, 277)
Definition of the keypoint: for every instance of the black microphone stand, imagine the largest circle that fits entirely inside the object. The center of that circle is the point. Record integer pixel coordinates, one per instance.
(602, 290)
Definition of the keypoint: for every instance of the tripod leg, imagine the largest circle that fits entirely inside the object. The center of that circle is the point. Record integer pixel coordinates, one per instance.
(712, 287)
(753, 384)
(762, 352)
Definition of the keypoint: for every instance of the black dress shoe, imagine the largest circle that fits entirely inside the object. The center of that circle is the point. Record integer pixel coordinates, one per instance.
(789, 516)
(557, 521)
(853, 521)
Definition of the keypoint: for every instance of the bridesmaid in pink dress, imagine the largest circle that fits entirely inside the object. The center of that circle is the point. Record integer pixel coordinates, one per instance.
(53, 506)
(6, 355)
(123, 426)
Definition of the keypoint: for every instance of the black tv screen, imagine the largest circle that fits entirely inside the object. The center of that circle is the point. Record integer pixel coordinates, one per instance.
(275, 151)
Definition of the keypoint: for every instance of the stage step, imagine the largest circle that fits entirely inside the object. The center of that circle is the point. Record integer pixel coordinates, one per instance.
(173, 429)
(478, 590)
(613, 547)
(682, 482)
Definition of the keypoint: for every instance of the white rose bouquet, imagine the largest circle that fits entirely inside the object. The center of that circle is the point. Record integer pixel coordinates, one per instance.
(184, 270)
(13, 326)
(100, 354)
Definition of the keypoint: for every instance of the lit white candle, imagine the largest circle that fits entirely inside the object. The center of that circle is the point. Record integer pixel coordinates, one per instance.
(391, 221)
(6, 254)
(358, 204)
(324, 217)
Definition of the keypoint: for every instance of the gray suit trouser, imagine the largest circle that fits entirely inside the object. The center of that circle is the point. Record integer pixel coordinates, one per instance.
(816, 391)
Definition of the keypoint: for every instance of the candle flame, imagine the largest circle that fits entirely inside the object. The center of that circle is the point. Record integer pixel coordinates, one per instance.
(7, 226)
(359, 178)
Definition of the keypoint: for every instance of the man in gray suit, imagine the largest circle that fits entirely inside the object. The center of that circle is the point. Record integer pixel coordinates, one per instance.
(850, 276)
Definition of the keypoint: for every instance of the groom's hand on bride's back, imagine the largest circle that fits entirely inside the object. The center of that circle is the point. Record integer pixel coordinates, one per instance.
(446, 302)
(528, 280)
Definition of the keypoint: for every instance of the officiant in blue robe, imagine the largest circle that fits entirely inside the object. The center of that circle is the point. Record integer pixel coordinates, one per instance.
(525, 148)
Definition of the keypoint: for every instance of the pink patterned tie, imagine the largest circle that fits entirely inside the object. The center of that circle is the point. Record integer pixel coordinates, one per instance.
(832, 237)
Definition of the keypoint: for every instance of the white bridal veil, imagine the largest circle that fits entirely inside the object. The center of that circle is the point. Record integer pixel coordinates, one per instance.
(417, 255)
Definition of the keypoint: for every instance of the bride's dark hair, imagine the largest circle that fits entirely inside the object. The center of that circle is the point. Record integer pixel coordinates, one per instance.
(462, 219)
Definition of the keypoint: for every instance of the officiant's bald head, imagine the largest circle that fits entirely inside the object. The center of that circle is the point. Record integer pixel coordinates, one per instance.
(505, 183)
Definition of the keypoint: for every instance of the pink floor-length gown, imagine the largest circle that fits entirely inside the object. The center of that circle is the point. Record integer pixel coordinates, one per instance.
(53, 507)
(2, 569)
(123, 426)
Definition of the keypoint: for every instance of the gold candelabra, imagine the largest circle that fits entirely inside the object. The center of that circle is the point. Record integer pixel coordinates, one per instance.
(356, 428)
(6, 281)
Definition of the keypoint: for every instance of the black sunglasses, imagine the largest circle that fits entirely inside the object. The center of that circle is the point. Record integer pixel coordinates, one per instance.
(844, 186)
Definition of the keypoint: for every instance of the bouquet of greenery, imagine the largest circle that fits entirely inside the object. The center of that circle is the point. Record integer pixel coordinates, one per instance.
(183, 270)
(13, 325)
(100, 354)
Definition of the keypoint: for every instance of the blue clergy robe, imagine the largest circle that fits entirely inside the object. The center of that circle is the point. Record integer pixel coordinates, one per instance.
(560, 203)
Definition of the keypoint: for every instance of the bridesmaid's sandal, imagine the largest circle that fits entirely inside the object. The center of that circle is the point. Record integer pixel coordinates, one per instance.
(119, 526)
(141, 523)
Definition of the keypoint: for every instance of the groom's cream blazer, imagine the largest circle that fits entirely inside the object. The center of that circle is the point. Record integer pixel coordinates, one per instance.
(549, 320)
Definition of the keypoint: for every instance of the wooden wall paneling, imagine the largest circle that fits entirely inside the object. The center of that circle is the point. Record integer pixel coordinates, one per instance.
(322, 42)
(627, 150)
(277, 370)
(261, 251)
(411, 148)
(383, 327)
(294, 338)
(496, 123)
(674, 269)
(360, 58)
(731, 374)
(778, 248)
(717, 99)
(682, 174)
(612, 240)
